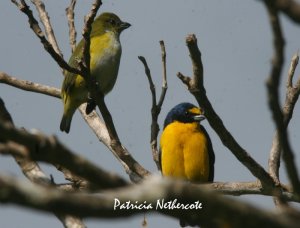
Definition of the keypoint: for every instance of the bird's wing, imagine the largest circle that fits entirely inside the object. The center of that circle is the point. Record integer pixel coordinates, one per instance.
(70, 78)
(211, 155)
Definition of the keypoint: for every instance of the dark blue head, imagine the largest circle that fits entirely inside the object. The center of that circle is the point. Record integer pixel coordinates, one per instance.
(185, 113)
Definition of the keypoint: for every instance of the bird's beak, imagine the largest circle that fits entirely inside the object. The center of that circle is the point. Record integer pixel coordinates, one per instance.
(124, 25)
(199, 118)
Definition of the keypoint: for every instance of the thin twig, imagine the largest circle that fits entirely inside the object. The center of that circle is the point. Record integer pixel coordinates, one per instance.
(293, 65)
(164, 75)
(149, 77)
(34, 25)
(72, 30)
(156, 107)
(40, 6)
(154, 124)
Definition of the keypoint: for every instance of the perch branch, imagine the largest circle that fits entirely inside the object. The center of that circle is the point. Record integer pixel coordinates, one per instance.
(149, 191)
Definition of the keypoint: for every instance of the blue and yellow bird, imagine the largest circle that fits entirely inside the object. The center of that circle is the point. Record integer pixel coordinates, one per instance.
(186, 150)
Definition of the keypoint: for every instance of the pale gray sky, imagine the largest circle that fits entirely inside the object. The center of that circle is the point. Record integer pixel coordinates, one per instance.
(236, 44)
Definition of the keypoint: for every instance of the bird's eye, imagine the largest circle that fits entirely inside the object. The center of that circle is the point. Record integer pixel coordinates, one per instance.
(186, 113)
(112, 21)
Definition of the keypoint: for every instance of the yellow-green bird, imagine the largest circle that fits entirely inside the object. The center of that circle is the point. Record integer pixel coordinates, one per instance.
(105, 52)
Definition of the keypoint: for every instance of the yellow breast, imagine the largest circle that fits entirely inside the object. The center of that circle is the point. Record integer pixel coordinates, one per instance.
(184, 152)
(105, 53)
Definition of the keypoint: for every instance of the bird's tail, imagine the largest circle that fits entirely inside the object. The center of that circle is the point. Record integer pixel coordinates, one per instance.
(65, 123)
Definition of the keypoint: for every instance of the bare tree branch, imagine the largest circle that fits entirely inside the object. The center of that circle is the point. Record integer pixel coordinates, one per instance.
(291, 8)
(29, 168)
(34, 25)
(293, 91)
(164, 75)
(33, 171)
(150, 191)
(274, 158)
(38, 147)
(291, 73)
(154, 114)
(250, 188)
(156, 107)
(292, 95)
(72, 30)
(40, 6)
(273, 96)
(196, 87)
(29, 86)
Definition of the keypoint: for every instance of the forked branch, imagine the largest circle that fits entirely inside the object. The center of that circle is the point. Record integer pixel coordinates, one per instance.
(156, 106)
